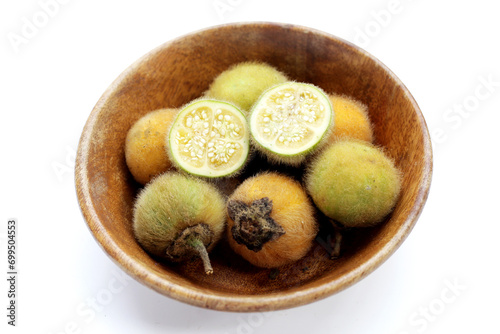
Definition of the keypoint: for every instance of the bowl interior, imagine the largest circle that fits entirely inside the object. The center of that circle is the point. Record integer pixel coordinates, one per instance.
(181, 70)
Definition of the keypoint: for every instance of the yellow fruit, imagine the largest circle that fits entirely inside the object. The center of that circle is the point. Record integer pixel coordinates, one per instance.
(290, 121)
(351, 119)
(271, 221)
(243, 83)
(145, 150)
(354, 183)
(209, 138)
(177, 217)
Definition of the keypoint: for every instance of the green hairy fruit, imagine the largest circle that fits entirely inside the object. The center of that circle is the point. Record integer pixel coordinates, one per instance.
(243, 83)
(178, 217)
(354, 183)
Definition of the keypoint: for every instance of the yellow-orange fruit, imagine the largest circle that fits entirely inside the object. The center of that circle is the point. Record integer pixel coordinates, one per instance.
(145, 150)
(350, 119)
(271, 220)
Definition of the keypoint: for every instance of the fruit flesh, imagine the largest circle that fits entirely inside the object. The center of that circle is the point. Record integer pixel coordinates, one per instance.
(145, 150)
(209, 138)
(351, 120)
(290, 120)
(243, 83)
(282, 200)
(354, 183)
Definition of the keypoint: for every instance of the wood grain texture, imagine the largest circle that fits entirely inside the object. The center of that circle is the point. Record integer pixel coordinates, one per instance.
(181, 70)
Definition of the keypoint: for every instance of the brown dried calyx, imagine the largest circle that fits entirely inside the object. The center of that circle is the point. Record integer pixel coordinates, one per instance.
(253, 225)
(191, 242)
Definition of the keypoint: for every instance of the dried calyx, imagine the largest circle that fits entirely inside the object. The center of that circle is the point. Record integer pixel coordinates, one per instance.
(253, 225)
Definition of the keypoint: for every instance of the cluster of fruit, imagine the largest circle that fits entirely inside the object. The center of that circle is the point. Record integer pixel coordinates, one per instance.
(269, 218)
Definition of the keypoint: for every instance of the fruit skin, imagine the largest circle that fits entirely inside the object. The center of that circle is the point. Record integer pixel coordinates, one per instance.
(354, 183)
(243, 83)
(351, 119)
(175, 206)
(145, 150)
(291, 210)
(264, 147)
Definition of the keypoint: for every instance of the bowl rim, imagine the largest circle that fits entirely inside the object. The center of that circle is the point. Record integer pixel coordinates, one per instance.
(219, 300)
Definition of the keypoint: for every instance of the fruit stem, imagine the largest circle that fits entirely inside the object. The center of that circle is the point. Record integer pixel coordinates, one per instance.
(191, 242)
(198, 245)
(338, 240)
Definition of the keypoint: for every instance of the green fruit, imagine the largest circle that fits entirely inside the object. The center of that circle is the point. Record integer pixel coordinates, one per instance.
(243, 83)
(178, 217)
(290, 121)
(209, 138)
(354, 183)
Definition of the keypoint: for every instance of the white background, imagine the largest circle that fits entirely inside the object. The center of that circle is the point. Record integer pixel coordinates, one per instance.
(443, 279)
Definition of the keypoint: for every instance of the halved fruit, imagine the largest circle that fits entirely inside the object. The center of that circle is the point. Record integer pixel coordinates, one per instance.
(209, 138)
(290, 120)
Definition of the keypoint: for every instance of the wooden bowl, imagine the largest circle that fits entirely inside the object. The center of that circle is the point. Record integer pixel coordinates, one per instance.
(180, 71)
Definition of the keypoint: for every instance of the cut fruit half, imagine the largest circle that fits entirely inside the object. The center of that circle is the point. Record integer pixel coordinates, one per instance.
(209, 138)
(290, 120)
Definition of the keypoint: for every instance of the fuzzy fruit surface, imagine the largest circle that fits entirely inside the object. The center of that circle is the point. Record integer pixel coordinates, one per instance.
(171, 204)
(354, 183)
(243, 83)
(283, 202)
(351, 120)
(145, 150)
